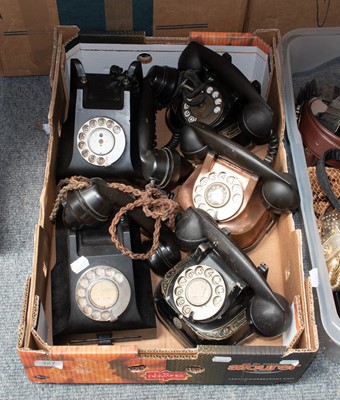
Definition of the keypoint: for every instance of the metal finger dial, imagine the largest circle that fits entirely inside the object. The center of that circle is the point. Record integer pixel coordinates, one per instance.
(199, 292)
(208, 111)
(220, 194)
(102, 293)
(101, 141)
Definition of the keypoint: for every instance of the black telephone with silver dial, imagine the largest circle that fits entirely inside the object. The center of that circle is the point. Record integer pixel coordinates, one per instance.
(216, 295)
(99, 295)
(110, 130)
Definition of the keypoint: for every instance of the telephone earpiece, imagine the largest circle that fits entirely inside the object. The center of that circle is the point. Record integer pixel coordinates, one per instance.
(110, 129)
(268, 312)
(256, 117)
(279, 189)
(92, 206)
(164, 82)
(165, 167)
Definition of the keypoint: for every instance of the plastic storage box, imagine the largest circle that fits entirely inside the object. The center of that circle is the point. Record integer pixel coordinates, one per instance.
(304, 52)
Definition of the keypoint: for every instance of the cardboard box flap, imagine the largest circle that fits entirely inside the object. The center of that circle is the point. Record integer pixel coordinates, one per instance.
(23, 322)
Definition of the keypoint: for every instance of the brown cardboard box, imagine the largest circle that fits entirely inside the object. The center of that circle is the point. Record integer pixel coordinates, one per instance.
(178, 18)
(289, 15)
(164, 359)
(26, 36)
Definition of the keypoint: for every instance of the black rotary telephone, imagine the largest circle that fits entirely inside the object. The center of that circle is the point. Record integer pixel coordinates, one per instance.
(216, 295)
(110, 130)
(208, 88)
(99, 295)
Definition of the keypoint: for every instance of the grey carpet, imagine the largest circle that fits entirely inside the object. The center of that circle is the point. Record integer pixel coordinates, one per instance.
(23, 104)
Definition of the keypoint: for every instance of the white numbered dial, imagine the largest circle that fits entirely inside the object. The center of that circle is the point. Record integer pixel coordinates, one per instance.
(199, 292)
(102, 293)
(220, 194)
(101, 141)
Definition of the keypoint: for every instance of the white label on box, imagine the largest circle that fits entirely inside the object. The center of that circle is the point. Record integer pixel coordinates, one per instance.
(49, 363)
(80, 264)
(314, 277)
(290, 362)
(221, 359)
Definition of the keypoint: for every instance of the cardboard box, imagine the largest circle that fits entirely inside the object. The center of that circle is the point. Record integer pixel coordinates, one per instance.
(164, 359)
(26, 36)
(21, 27)
(287, 15)
(183, 17)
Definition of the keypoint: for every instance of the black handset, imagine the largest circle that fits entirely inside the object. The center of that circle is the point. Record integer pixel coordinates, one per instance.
(110, 130)
(279, 189)
(93, 206)
(217, 295)
(256, 118)
(206, 87)
(165, 166)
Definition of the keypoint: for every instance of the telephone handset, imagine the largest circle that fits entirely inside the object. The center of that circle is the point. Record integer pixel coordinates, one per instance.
(255, 117)
(239, 190)
(208, 88)
(279, 189)
(93, 206)
(232, 196)
(96, 290)
(110, 130)
(217, 295)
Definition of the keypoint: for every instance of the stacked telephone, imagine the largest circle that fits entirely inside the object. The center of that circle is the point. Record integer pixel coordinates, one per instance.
(210, 291)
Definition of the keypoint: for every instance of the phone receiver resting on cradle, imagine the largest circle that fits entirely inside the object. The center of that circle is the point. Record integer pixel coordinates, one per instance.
(279, 189)
(268, 313)
(256, 118)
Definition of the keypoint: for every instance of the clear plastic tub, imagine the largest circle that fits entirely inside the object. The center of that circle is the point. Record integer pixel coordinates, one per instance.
(300, 52)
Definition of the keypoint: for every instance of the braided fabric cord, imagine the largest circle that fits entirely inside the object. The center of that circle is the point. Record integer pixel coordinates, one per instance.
(154, 203)
(65, 186)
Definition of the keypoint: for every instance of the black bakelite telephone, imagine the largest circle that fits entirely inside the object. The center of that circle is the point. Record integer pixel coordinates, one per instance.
(208, 88)
(110, 130)
(100, 295)
(216, 295)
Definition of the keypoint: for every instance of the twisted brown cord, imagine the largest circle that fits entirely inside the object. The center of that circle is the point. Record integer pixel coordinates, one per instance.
(65, 186)
(154, 202)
